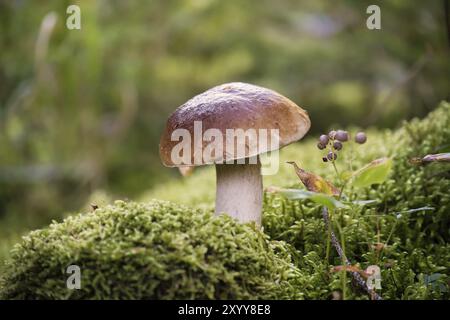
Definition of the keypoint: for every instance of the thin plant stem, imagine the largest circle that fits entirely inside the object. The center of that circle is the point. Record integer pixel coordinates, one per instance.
(378, 237)
(332, 150)
(388, 238)
(344, 272)
(337, 171)
(344, 261)
(341, 191)
(356, 276)
(327, 256)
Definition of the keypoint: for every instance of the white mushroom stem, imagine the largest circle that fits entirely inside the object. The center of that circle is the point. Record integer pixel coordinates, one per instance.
(239, 191)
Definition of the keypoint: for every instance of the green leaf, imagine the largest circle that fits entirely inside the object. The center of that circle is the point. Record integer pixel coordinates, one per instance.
(364, 202)
(346, 175)
(375, 172)
(433, 280)
(319, 198)
(426, 208)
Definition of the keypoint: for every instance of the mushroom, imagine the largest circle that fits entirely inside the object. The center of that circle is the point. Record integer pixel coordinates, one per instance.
(222, 112)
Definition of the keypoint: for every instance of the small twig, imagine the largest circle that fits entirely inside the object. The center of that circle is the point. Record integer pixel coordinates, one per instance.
(358, 278)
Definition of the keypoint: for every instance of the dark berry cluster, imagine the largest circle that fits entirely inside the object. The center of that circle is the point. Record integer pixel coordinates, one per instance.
(334, 141)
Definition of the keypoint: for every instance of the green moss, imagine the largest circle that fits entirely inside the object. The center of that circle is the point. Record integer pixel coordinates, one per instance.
(156, 250)
(419, 244)
(161, 250)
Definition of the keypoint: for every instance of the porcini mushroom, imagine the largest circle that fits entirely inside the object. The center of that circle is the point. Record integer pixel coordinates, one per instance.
(223, 111)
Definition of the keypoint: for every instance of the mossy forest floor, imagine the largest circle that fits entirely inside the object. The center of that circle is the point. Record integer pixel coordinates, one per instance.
(159, 249)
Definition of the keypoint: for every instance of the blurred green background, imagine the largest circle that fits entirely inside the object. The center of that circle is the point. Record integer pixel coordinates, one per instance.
(82, 110)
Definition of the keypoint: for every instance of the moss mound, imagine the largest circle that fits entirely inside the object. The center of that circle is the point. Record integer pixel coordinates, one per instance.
(155, 250)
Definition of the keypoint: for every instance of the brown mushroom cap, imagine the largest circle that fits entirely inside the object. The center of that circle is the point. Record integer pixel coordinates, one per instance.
(236, 105)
